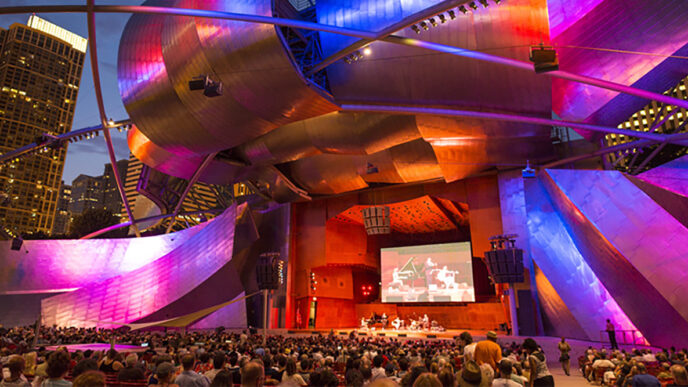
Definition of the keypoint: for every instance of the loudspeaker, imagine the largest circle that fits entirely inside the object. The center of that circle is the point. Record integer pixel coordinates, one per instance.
(198, 83)
(267, 271)
(382, 334)
(431, 336)
(16, 244)
(343, 333)
(505, 266)
(544, 58)
(362, 334)
(401, 335)
(315, 333)
(291, 332)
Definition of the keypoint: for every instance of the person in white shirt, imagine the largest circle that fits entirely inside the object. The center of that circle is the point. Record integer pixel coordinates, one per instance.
(466, 340)
(504, 380)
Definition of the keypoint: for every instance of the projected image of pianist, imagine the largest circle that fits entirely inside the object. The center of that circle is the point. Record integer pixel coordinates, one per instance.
(397, 282)
(429, 268)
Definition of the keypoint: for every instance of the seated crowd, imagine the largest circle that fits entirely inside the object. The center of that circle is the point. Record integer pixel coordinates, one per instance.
(223, 358)
(636, 368)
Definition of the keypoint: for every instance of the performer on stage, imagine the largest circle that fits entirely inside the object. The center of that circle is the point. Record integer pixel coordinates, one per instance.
(425, 321)
(384, 320)
(396, 323)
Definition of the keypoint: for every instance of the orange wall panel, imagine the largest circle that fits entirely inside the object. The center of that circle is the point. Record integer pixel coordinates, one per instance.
(334, 282)
(335, 313)
(346, 243)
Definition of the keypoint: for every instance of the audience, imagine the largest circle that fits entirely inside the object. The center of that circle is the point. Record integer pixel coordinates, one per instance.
(231, 359)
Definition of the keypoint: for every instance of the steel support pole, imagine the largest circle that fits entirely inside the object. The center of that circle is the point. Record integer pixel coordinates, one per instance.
(101, 109)
(206, 161)
(265, 317)
(397, 109)
(512, 309)
(347, 32)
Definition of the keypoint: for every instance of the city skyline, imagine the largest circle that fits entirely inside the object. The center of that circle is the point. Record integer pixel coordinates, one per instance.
(89, 156)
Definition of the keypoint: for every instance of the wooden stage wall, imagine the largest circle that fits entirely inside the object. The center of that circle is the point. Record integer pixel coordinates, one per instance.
(474, 316)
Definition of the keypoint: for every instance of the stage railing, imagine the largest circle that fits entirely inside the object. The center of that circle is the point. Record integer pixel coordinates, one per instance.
(634, 335)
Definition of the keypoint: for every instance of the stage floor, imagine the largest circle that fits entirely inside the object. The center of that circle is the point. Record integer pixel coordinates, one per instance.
(401, 333)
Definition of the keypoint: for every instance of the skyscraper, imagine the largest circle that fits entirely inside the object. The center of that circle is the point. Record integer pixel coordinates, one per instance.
(40, 73)
(111, 199)
(62, 214)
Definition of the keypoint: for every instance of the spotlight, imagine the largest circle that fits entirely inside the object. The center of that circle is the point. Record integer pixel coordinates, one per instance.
(358, 55)
(452, 14)
(415, 29)
(367, 51)
(544, 58)
(473, 5)
(424, 25)
(463, 9)
(484, 3)
(433, 21)
(347, 60)
(497, 1)
(443, 19)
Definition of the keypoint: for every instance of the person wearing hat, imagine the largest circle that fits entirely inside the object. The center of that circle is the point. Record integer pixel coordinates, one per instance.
(471, 376)
(488, 351)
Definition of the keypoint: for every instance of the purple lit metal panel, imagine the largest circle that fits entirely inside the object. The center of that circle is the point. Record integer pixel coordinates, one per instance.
(636, 25)
(231, 316)
(556, 254)
(132, 296)
(413, 75)
(565, 13)
(672, 176)
(628, 240)
(45, 265)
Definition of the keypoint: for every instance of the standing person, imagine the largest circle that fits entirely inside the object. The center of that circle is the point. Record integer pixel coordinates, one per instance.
(188, 377)
(611, 331)
(539, 373)
(488, 351)
(564, 357)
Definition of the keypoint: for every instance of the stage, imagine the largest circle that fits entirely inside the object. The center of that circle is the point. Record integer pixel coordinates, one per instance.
(448, 334)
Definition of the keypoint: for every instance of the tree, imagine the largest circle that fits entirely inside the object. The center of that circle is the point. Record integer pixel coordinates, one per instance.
(93, 220)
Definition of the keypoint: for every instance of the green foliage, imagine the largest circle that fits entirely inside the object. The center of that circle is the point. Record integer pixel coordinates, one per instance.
(93, 220)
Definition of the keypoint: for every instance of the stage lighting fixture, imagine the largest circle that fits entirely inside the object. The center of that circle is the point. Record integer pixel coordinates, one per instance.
(443, 19)
(473, 5)
(452, 14)
(433, 22)
(424, 25)
(528, 172)
(463, 9)
(347, 60)
(497, 1)
(367, 51)
(415, 29)
(544, 58)
(484, 3)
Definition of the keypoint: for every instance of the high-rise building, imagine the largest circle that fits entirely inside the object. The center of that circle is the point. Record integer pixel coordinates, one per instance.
(40, 73)
(62, 214)
(200, 197)
(87, 193)
(112, 201)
